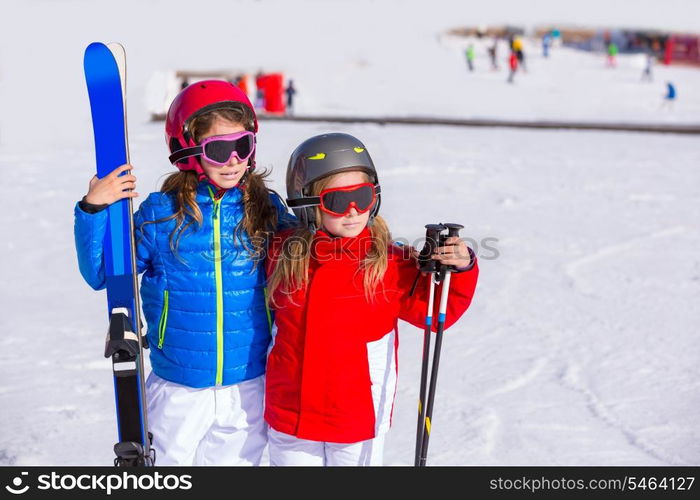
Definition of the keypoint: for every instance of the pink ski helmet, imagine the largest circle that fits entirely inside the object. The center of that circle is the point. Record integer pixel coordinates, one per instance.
(192, 101)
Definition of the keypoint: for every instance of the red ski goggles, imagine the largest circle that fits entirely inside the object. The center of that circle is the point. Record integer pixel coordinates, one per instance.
(338, 201)
(220, 149)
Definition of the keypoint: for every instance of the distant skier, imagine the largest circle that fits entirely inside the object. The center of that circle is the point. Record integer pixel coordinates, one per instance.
(469, 54)
(546, 44)
(612, 55)
(513, 64)
(648, 65)
(519, 53)
(670, 96)
(493, 54)
(290, 91)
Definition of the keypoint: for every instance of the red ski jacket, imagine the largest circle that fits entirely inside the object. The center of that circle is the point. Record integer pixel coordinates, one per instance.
(513, 61)
(318, 383)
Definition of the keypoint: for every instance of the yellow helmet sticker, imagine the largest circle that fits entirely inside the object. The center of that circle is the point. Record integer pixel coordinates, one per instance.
(318, 156)
(359, 150)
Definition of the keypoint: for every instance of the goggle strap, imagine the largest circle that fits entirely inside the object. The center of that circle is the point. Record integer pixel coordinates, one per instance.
(185, 153)
(311, 201)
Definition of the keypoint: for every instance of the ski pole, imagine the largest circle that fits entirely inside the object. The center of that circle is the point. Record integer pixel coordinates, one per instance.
(431, 266)
(453, 230)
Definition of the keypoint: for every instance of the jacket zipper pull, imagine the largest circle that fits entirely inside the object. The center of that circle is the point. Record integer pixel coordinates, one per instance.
(217, 205)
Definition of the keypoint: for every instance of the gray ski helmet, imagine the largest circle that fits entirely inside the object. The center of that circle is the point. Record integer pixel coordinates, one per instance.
(321, 156)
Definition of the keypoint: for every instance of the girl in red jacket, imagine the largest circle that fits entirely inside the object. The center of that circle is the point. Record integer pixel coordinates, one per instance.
(338, 287)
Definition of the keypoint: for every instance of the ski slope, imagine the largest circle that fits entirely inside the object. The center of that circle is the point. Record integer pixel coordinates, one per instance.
(581, 345)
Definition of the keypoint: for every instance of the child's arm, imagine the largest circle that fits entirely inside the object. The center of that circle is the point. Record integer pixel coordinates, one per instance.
(90, 229)
(414, 307)
(91, 224)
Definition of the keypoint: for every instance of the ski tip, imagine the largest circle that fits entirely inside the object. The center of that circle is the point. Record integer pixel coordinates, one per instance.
(95, 45)
(115, 45)
(94, 48)
(118, 52)
(89, 51)
(111, 46)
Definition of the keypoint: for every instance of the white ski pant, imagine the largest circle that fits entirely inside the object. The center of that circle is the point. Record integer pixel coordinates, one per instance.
(286, 449)
(210, 426)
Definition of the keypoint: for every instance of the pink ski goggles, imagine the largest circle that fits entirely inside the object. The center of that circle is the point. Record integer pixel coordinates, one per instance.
(220, 149)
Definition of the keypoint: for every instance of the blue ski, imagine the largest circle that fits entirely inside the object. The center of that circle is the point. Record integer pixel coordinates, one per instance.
(106, 76)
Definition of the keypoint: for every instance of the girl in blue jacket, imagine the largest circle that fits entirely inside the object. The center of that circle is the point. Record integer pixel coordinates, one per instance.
(199, 244)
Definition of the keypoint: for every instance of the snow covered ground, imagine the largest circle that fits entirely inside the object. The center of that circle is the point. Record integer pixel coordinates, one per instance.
(581, 346)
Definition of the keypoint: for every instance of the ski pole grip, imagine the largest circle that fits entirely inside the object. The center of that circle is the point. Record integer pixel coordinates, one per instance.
(432, 239)
(453, 229)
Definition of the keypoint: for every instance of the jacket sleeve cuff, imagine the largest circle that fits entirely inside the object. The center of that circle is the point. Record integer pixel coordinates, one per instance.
(89, 208)
(472, 256)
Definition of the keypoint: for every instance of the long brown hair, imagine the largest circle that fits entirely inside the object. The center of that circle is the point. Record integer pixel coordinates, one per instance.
(260, 214)
(291, 273)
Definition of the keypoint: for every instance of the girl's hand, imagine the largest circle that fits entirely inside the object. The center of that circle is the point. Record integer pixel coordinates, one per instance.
(454, 253)
(112, 187)
(415, 253)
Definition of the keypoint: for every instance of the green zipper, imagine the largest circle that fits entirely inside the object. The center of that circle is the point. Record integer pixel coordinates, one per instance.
(163, 320)
(267, 309)
(219, 290)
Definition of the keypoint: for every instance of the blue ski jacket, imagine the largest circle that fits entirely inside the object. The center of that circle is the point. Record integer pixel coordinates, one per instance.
(205, 309)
